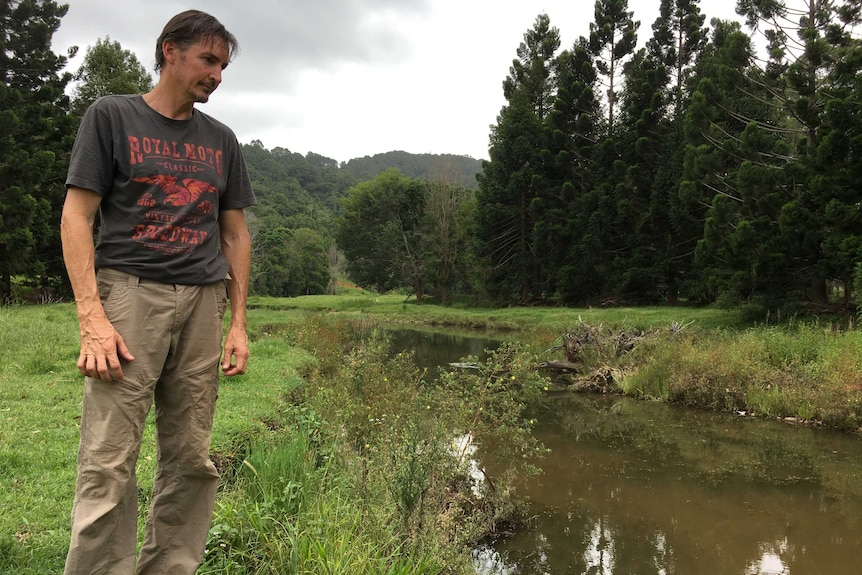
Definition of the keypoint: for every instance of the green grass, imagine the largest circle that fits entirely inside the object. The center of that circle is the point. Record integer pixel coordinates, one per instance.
(809, 372)
(397, 308)
(40, 402)
(333, 530)
(290, 510)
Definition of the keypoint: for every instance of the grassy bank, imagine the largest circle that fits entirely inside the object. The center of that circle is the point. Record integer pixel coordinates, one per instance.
(337, 459)
(398, 309)
(808, 370)
(808, 373)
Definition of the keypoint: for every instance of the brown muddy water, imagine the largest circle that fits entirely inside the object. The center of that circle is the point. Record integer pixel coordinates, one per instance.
(640, 488)
(644, 488)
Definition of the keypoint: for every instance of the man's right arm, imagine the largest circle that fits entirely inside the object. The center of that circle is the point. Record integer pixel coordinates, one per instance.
(101, 345)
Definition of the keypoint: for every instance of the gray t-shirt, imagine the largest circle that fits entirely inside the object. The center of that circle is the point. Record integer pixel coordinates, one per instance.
(163, 183)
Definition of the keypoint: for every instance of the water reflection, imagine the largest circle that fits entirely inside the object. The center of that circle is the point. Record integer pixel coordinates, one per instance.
(488, 561)
(599, 558)
(599, 555)
(770, 563)
(435, 349)
(643, 488)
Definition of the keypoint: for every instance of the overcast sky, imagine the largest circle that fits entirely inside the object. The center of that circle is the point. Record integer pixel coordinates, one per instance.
(350, 78)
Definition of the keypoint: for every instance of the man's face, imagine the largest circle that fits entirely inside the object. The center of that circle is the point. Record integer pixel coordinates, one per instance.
(199, 67)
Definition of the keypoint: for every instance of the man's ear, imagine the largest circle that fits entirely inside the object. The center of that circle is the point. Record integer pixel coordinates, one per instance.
(169, 51)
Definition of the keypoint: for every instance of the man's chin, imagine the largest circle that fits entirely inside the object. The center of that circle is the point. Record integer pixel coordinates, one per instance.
(202, 96)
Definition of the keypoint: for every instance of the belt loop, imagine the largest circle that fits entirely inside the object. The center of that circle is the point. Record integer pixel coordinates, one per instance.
(133, 281)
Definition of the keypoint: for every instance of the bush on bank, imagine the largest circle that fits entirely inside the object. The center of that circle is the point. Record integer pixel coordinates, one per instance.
(809, 372)
(370, 466)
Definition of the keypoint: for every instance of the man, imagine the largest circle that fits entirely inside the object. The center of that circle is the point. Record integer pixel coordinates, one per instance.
(170, 185)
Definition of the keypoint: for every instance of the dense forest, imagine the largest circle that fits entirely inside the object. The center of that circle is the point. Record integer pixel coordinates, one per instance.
(691, 162)
(689, 169)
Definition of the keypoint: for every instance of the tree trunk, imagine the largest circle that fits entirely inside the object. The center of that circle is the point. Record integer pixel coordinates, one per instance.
(818, 291)
(5, 287)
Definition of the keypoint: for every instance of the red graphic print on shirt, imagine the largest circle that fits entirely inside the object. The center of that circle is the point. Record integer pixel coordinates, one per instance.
(178, 195)
(179, 214)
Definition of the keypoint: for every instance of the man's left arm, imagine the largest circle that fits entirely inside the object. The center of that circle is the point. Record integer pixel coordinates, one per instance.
(236, 247)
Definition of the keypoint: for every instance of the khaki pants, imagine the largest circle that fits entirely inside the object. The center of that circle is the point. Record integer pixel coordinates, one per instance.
(174, 332)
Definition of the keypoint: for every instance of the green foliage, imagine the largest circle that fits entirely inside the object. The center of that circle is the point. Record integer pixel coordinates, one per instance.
(294, 225)
(613, 36)
(108, 69)
(289, 263)
(445, 225)
(809, 372)
(291, 225)
(411, 462)
(277, 481)
(512, 184)
(492, 405)
(380, 232)
(688, 171)
(420, 440)
(35, 136)
(709, 179)
(352, 468)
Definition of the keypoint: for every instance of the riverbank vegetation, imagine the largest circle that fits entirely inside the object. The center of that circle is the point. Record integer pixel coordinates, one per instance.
(800, 372)
(338, 456)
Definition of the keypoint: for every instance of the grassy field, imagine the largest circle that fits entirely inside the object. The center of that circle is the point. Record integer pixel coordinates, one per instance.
(40, 395)
(398, 309)
(804, 370)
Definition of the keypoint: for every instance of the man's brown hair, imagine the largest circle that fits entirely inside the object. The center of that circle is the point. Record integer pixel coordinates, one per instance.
(190, 27)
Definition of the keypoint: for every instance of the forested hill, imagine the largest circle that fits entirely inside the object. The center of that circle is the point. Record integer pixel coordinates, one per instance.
(293, 224)
(460, 170)
(303, 191)
(317, 179)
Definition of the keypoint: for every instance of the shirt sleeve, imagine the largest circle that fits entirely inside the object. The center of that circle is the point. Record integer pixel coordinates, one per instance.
(238, 192)
(91, 162)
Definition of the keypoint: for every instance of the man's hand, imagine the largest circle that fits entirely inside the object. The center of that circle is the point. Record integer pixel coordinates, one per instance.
(102, 347)
(236, 352)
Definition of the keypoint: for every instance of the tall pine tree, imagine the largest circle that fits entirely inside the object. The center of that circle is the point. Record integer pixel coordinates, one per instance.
(514, 177)
(807, 43)
(613, 38)
(639, 257)
(35, 136)
(677, 42)
(572, 129)
(733, 188)
(839, 152)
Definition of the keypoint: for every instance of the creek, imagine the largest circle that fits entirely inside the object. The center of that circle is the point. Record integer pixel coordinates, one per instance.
(645, 488)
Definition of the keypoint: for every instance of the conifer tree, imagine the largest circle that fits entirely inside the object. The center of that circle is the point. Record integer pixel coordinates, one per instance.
(656, 103)
(562, 217)
(809, 41)
(640, 244)
(35, 136)
(678, 39)
(613, 38)
(514, 177)
(733, 180)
